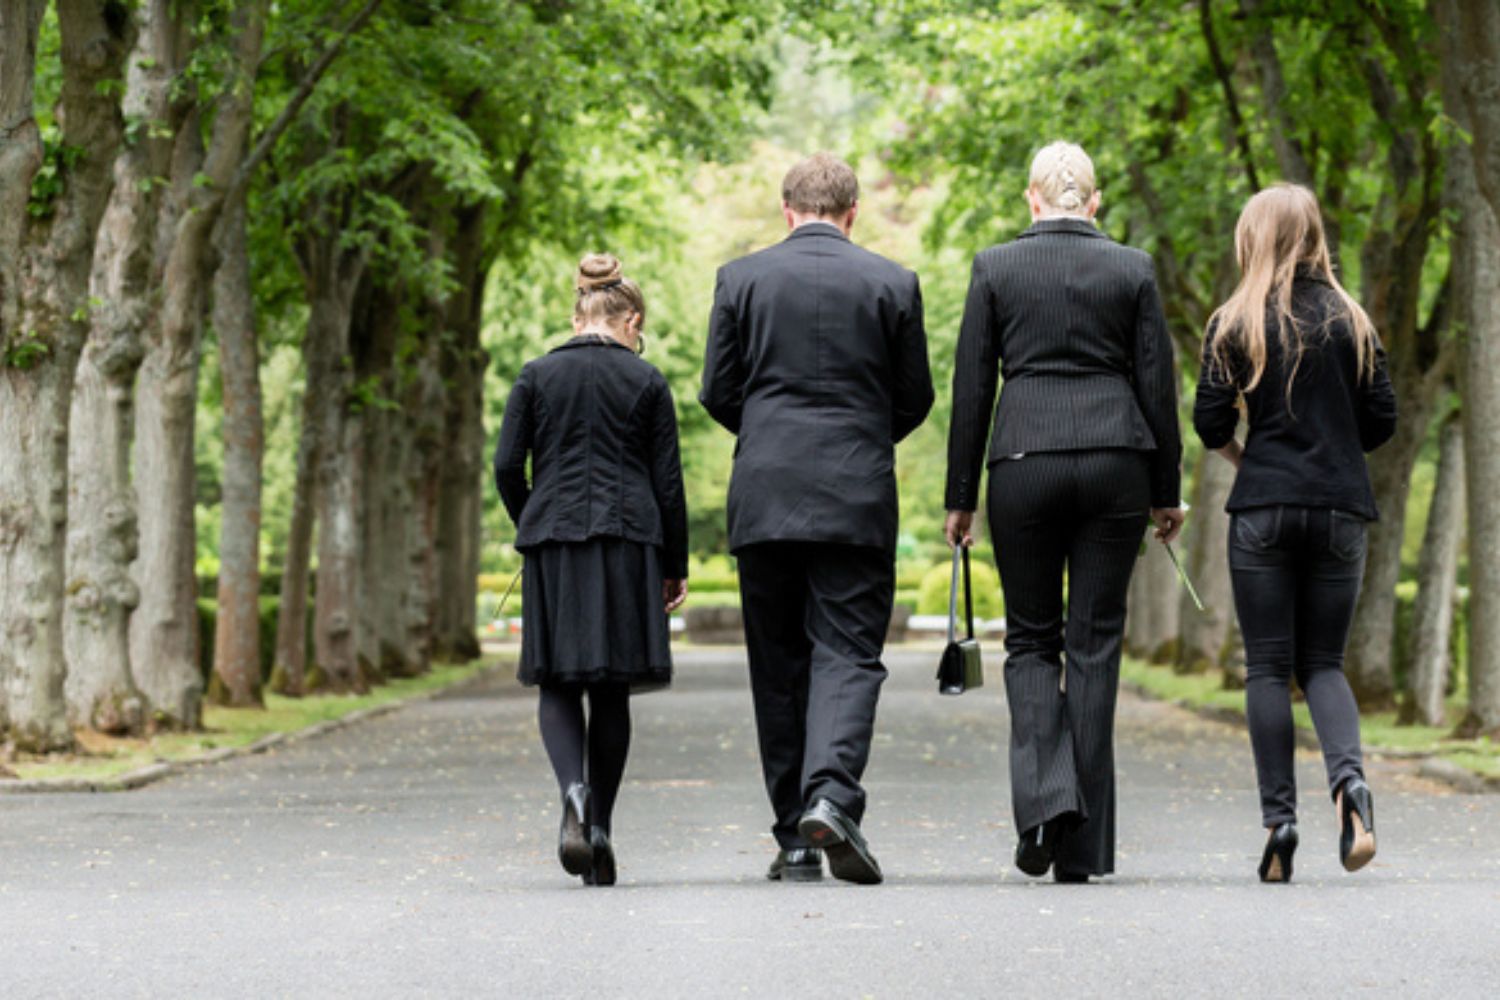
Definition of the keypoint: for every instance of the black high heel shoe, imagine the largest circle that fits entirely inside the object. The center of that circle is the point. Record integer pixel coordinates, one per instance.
(1357, 824)
(573, 847)
(602, 870)
(1036, 847)
(1276, 862)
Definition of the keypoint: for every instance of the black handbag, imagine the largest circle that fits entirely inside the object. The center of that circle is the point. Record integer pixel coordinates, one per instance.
(961, 667)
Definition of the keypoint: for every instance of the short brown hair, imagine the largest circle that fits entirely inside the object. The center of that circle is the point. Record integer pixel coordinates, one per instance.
(821, 185)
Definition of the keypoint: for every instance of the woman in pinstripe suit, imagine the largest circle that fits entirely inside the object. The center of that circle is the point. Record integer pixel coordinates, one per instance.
(1084, 443)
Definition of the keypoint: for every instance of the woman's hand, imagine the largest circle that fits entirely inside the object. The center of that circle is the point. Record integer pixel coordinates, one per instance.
(958, 528)
(673, 593)
(1168, 521)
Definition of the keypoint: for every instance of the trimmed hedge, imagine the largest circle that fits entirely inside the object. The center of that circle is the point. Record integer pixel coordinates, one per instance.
(932, 596)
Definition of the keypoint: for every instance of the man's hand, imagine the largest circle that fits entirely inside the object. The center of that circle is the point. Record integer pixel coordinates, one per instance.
(957, 529)
(673, 593)
(1168, 521)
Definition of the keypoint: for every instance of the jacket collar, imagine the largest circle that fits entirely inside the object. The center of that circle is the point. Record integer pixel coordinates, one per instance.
(578, 340)
(1079, 227)
(817, 229)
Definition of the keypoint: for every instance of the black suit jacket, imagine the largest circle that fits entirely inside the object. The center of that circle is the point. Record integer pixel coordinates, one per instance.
(817, 360)
(1074, 322)
(601, 430)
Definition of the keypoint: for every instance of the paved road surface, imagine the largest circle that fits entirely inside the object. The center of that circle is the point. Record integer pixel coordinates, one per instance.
(414, 855)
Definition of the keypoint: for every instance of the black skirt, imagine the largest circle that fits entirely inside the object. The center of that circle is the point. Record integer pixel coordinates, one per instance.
(592, 613)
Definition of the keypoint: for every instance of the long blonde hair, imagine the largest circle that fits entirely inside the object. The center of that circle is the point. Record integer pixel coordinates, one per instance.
(1280, 230)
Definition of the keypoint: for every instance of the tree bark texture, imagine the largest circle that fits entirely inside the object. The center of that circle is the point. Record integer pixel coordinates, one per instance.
(289, 666)
(460, 497)
(1203, 635)
(331, 275)
(237, 679)
(102, 522)
(1470, 49)
(45, 255)
(164, 630)
(1437, 577)
(1151, 621)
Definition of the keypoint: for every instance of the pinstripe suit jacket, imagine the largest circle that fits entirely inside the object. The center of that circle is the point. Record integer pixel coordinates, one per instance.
(1074, 322)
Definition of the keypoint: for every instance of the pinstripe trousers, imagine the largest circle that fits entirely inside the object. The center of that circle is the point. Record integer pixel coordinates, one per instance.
(1077, 516)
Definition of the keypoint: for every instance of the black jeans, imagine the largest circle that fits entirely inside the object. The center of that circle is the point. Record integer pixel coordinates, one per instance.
(1079, 514)
(1296, 574)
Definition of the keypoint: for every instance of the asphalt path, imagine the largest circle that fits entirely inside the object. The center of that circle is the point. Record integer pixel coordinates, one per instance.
(415, 855)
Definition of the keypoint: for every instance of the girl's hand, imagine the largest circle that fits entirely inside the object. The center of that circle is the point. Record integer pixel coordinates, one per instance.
(673, 593)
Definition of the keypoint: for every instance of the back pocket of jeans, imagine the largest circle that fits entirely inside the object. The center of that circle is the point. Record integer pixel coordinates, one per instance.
(1346, 536)
(1257, 529)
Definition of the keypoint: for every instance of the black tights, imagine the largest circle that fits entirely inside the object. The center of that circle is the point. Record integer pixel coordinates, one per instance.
(604, 738)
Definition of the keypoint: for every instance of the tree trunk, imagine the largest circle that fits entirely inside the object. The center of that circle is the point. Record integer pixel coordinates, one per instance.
(237, 679)
(337, 494)
(164, 629)
(289, 668)
(1202, 635)
(1470, 60)
(1437, 576)
(425, 413)
(460, 498)
(1151, 622)
(46, 249)
(102, 528)
(1371, 668)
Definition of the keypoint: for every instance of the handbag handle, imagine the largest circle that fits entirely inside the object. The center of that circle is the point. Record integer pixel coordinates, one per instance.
(953, 595)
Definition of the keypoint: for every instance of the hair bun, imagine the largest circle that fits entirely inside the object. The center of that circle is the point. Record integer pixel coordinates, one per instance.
(598, 270)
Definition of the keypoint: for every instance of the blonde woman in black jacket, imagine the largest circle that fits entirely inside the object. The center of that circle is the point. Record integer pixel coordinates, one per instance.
(1302, 358)
(603, 526)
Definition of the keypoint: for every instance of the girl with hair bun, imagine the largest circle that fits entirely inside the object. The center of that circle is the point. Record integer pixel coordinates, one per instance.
(602, 523)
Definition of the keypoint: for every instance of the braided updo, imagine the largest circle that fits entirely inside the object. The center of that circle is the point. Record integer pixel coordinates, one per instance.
(603, 290)
(1063, 176)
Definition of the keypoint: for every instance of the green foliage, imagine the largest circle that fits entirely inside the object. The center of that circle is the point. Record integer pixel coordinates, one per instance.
(932, 594)
(25, 351)
(51, 178)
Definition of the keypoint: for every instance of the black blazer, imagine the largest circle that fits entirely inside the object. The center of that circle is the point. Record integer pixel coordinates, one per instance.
(1306, 450)
(599, 425)
(817, 360)
(1074, 322)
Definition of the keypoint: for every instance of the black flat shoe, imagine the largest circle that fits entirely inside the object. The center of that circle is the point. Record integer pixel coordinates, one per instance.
(602, 870)
(1276, 862)
(826, 826)
(799, 864)
(1357, 824)
(1035, 847)
(1064, 877)
(573, 848)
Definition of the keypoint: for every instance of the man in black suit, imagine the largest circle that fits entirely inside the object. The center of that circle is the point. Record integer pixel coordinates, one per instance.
(817, 361)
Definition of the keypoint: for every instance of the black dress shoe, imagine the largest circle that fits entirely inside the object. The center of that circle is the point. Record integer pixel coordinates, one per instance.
(826, 826)
(798, 864)
(1276, 861)
(573, 848)
(602, 869)
(1064, 877)
(1357, 824)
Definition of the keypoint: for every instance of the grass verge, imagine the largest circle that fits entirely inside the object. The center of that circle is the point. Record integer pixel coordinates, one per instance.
(101, 757)
(1378, 730)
